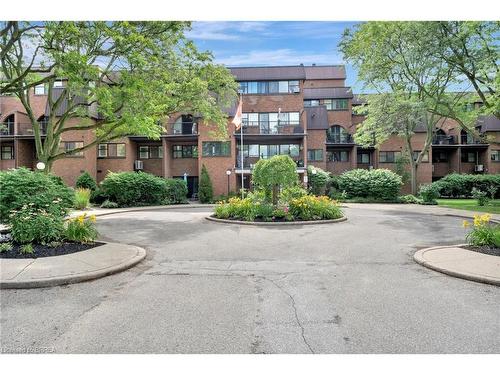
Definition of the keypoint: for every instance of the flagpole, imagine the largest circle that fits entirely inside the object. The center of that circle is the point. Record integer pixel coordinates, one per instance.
(241, 146)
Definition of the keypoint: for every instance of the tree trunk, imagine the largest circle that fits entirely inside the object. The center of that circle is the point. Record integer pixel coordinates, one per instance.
(275, 195)
(414, 167)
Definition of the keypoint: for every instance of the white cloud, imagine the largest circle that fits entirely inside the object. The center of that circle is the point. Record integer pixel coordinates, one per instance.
(284, 56)
(224, 30)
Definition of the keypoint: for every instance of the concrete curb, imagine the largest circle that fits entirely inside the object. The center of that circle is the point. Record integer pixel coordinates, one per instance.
(420, 259)
(113, 211)
(76, 277)
(265, 223)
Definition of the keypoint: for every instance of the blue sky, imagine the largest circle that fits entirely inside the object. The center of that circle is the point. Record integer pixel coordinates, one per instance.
(253, 43)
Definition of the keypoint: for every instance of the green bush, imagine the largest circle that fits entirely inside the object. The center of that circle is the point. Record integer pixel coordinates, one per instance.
(5, 247)
(98, 196)
(21, 187)
(205, 188)
(429, 193)
(176, 191)
(410, 199)
(82, 198)
(108, 204)
(36, 225)
(317, 179)
(135, 189)
(314, 208)
(457, 185)
(381, 184)
(81, 229)
(480, 196)
(483, 233)
(292, 192)
(85, 181)
(26, 249)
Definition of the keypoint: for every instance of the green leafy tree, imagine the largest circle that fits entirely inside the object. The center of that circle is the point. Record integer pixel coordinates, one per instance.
(270, 175)
(205, 188)
(120, 78)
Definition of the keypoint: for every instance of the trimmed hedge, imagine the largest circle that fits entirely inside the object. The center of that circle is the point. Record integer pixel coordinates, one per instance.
(37, 190)
(460, 185)
(380, 184)
(142, 189)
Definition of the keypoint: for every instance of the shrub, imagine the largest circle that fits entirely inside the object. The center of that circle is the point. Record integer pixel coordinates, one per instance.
(108, 204)
(81, 229)
(265, 211)
(480, 196)
(483, 233)
(317, 179)
(273, 174)
(314, 208)
(176, 191)
(410, 199)
(26, 249)
(5, 247)
(457, 185)
(82, 198)
(36, 225)
(21, 187)
(380, 184)
(292, 192)
(98, 196)
(205, 189)
(429, 193)
(85, 181)
(134, 188)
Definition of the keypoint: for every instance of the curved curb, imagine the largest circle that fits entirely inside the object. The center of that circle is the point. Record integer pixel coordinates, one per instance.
(270, 223)
(113, 211)
(78, 278)
(419, 258)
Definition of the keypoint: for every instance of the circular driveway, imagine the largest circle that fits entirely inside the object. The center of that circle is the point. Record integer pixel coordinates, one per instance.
(207, 287)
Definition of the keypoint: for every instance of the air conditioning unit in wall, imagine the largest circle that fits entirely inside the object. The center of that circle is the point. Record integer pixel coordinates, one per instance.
(479, 168)
(296, 90)
(138, 165)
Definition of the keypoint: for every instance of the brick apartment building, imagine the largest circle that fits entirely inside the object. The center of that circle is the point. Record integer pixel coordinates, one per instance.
(302, 111)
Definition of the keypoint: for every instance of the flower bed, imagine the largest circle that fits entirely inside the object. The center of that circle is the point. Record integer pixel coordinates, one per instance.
(484, 236)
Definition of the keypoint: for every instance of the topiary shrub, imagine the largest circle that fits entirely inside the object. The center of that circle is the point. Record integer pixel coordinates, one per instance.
(85, 181)
(37, 190)
(135, 189)
(317, 179)
(205, 188)
(274, 174)
(176, 191)
(378, 184)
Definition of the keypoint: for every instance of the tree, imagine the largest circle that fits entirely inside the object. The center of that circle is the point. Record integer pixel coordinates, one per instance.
(270, 175)
(121, 78)
(205, 189)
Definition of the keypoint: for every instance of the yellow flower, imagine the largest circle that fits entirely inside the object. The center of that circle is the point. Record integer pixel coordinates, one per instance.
(81, 219)
(92, 218)
(465, 224)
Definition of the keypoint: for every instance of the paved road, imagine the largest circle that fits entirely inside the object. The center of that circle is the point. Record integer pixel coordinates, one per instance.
(206, 287)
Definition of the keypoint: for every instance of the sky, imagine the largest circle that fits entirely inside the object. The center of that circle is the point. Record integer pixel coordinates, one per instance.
(254, 43)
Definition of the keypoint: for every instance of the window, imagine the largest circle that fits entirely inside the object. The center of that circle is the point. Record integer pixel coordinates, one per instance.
(69, 146)
(293, 86)
(184, 151)
(243, 89)
(495, 155)
(469, 157)
(40, 89)
(151, 152)
(185, 124)
(111, 150)
(269, 87)
(311, 103)
(283, 86)
(253, 151)
(7, 152)
(294, 150)
(58, 84)
(250, 119)
(364, 158)
(216, 148)
(337, 156)
(336, 104)
(439, 157)
(425, 158)
(389, 156)
(274, 87)
(315, 155)
(337, 134)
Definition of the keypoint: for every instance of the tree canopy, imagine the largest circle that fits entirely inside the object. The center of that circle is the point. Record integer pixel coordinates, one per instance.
(272, 174)
(120, 78)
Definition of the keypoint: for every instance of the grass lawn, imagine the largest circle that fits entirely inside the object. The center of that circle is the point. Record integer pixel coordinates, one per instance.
(492, 207)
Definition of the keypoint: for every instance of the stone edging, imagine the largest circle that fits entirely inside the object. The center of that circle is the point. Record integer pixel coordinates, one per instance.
(419, 258)
(270, 223)
(76, 277)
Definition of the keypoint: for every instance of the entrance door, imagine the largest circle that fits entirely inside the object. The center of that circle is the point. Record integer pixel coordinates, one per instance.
(187, 124)
(192, 185)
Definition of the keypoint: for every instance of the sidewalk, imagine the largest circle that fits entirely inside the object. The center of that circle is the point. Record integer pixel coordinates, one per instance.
(459, 262)
(69, 269)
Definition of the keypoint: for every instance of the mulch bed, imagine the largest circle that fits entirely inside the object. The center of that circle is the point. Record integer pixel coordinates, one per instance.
(41, 251)
(484, 250)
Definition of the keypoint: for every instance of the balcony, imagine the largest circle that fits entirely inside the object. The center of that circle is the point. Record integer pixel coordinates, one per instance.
(7, 129)
(249, 162)
(467, 139)
(342, 139)
(444, 140)
(26, 129)
(258, 130)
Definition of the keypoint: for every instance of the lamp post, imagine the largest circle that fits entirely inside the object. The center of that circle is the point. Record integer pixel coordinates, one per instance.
(228, 172)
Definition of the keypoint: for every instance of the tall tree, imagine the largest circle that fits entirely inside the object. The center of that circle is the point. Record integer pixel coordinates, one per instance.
(121, 78)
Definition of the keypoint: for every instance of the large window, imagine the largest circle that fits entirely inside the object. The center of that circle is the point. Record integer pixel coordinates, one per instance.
(40, 89)
(315, 154)
(439, 156)
(266, 151)
(151, 152)
(7, 152)
(185, 124)
(495, 155)
(425, 158)
(111, 150)
(311, 103)
(69, 146)
(184, 151)
(337, 156)
(364, 157)
(269, 87)
(389, 156)
(336, 104)
(469, 157)
(216, 148)
(269, 120)
(337, 134)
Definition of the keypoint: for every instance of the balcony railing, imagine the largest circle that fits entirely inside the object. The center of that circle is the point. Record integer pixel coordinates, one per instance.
(340, 138)
(185, 128)
(249, 163)
(272, 128)
(444, 140)
(467, 139)
(7, 128)
(26, 128)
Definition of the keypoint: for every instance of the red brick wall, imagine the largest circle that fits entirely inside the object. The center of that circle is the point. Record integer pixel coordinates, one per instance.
(315, 83)
(104, 165)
